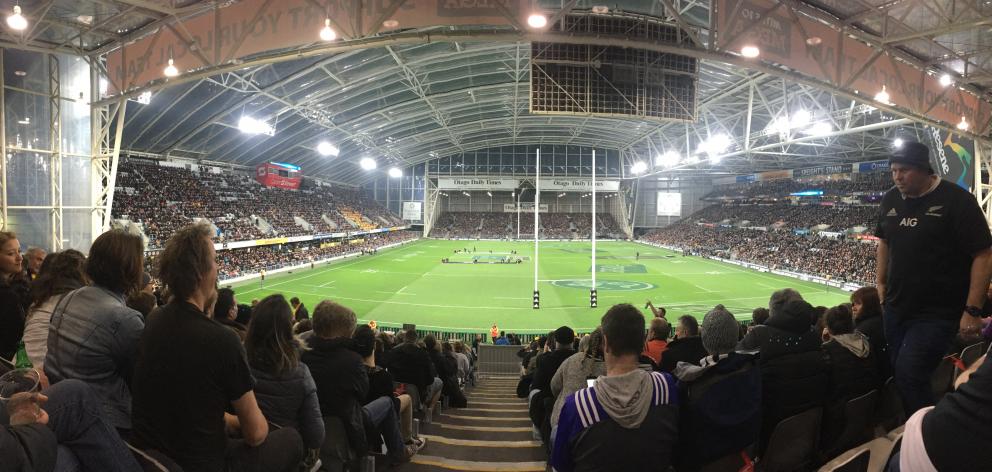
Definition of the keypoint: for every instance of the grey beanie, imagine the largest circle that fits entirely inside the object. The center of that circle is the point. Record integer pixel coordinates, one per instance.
(720, 331)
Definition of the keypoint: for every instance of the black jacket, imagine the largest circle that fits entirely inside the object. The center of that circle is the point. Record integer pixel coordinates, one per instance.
(14, 303)
(547, 364)
(689, 349)
(794, 371)
(291, 400)
(850, 377)
(27, 448)
(411, 364)
(872, 327)
(721, 411)
(342, 385)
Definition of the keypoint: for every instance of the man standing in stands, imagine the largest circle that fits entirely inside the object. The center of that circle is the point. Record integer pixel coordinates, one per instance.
(933, 260)
(300, 312)
(33, 258)
(629, 419)
(191, 370)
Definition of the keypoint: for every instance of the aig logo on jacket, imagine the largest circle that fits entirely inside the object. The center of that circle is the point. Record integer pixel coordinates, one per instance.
(909, 222)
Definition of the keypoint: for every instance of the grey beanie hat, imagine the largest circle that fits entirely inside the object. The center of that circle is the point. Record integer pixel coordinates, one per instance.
(720, 331)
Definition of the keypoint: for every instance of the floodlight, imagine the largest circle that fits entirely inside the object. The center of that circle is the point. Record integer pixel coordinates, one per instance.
(327, 33)
(750, 51)
(249, 125)
(882, 96)
(170, 70)
(537, 20)
(638, 167)
(17, 21)
(367, 163)
(963, 125)
(395, 172)
(946, 80)
(327, 149)
(897, 143)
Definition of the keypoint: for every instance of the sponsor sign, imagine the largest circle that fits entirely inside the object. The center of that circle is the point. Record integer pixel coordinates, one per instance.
(774, 175)
(477, 183)
(817, 50)
(578, 185)
(952, 157)
(873, 166)
(741, 179)
(524, 208)
(266, 242)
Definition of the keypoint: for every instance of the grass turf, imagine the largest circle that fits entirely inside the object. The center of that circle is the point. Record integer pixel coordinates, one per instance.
(409, 284)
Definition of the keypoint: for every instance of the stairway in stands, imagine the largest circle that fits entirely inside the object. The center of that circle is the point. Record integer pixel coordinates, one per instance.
(356, 218)
(492, 434)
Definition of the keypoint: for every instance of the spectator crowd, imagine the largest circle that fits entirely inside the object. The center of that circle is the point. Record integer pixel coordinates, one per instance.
(502, 225)
(162, 199)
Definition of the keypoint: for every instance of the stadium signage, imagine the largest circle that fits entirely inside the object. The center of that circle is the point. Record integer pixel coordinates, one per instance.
(477, 183)
(822, 170)
(579, 185)
(873, 166)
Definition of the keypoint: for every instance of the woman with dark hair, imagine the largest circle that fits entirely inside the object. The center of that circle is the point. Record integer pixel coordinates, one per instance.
(14, 299)
(867, 309)
(93, 335)
(366, 345)
(61, 273)
(286, 392)
(571, 377)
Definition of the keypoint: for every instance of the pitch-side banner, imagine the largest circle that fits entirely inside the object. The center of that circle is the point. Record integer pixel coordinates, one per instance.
(578, 185)
(819, 51)
(952, 157)
(239, 29)
(477, 183)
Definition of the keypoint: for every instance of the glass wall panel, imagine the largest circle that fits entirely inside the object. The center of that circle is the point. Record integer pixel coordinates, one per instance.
(28, 178)
(33, 227)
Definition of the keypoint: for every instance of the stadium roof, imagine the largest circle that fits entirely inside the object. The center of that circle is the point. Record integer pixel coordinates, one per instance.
(408, 102)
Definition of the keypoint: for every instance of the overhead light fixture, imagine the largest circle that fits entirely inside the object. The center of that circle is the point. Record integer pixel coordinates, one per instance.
(367, 163)
(946, 80)
(390, 24)
(963, 125)
(489, 193)
(25, 121)
(327, 33)
(16, 20)
(814, 41)
(882, 96)
(600, 9)
(897, 143)
(750, 51)
(668, 159)
(327, 149)
(170, 70)
(249, 125)
(20, 73)
(800, 118)
(819, 129)
(638, 167)
(395, 172)
(715, 145)
(537, 20)
(145, 97)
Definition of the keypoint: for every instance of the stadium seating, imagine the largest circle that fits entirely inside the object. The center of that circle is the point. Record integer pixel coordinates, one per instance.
(162, 199)
(865, 184)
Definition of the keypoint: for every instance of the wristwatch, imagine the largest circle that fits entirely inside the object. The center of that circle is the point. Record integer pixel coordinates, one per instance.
(973, 311)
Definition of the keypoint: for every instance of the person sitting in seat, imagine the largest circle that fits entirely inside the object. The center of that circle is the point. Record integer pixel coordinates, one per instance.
(411, 364)
(721, 398)
(852, 370)
(628, 420)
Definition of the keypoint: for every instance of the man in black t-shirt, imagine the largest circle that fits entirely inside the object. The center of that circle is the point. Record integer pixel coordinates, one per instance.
(190, 370)
(932, 269)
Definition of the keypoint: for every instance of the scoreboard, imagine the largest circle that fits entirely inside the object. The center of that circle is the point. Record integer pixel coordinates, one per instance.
(278, 174)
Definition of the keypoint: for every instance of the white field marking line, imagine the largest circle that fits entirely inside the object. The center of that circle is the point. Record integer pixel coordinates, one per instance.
(819, 288)
(512, 298)
(475, 307)
(328, 269)
(327, 283)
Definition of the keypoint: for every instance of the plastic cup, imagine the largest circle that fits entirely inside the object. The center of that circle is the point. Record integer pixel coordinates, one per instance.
(18, 381)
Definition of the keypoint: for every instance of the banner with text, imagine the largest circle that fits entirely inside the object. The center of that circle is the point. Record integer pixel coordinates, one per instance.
(822, 170)
(952, 157)
(821, 52)
(524, 208)
(578, 185)
(477, 183)
(872, 166)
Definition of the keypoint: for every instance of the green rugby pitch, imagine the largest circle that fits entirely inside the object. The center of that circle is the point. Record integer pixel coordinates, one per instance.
(409, 284)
